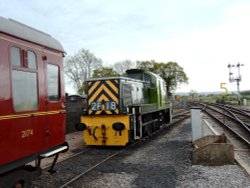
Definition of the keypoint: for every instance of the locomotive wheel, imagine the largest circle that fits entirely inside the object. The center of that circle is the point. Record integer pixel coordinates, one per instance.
(156, 126)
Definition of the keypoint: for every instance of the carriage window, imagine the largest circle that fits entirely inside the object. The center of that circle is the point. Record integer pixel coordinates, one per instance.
(24, 87)
(53, 82)
(31, 60)
(15, 56)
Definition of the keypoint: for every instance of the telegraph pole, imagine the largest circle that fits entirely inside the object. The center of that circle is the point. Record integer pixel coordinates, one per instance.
(236, 78)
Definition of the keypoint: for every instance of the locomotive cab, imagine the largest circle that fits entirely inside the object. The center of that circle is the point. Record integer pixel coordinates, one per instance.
(141, 75)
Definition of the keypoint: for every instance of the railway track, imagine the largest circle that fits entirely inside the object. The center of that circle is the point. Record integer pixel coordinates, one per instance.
(233, 119)
(74, 167)
(82, 151)
(90, 169)
(176, 119)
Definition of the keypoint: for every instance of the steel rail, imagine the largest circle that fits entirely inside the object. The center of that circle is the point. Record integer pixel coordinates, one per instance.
(67, 158)
(90, 169)
(235, 119)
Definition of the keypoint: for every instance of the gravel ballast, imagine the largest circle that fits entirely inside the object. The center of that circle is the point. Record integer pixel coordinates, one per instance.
(164, 161)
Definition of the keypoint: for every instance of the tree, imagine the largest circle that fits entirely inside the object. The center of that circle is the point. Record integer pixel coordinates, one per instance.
(171, 72)
(122, 66)
(80, 66)
(146, 65)
(104, 72)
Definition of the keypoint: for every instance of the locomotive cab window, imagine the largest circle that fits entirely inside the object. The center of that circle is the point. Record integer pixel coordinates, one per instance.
(147, 77)
(153, 82)
(53, 82)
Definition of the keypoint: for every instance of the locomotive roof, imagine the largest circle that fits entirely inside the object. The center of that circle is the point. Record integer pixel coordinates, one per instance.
(142, 71)
(125, 77)
(17, 29)
(115, 78)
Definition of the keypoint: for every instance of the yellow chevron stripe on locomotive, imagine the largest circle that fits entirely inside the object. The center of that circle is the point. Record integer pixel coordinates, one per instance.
(103, 97)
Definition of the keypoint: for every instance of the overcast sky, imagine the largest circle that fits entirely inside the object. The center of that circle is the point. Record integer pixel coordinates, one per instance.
(202, 36)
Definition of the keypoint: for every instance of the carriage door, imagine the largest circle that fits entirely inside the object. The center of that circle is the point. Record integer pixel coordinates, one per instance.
(25, 103)
(55, 118)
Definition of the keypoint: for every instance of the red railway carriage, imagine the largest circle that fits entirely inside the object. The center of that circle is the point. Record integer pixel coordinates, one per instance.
(32, 110)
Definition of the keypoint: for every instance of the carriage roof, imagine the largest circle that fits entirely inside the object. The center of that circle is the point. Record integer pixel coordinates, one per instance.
(22, 31)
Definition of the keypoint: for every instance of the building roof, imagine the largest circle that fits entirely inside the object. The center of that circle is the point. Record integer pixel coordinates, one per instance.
(17, 29)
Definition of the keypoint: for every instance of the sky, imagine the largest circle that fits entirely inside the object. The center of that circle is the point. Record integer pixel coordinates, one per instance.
(202, 36)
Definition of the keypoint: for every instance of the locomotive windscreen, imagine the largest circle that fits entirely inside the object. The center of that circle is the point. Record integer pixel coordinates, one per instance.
(135, 74)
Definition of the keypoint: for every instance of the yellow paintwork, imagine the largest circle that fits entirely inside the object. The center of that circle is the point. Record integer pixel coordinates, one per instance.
(113, 138)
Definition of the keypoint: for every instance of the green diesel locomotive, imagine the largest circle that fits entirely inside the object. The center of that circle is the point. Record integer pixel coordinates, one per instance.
(124, 109)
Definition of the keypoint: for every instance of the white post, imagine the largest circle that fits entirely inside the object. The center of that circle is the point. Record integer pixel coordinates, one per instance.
(170, 112)
(196, 123)
(245, 102)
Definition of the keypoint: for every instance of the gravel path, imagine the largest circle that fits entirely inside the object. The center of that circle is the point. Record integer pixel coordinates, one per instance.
(164, 161)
